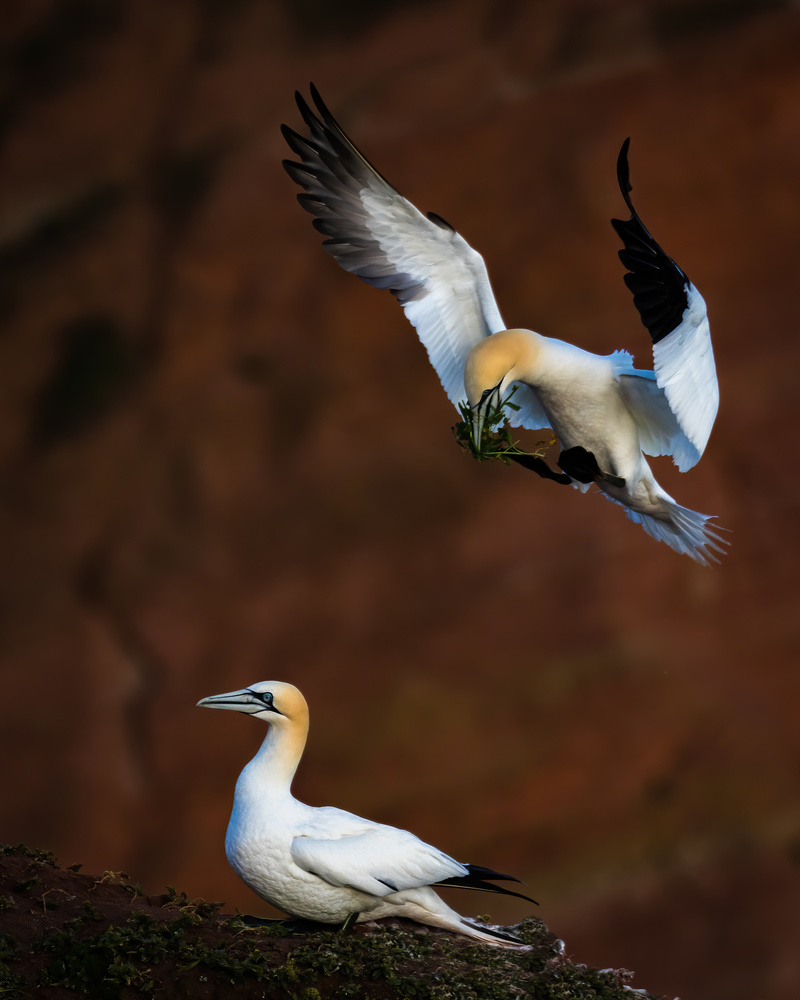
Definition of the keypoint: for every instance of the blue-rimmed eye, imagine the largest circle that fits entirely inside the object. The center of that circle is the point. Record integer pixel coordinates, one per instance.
(265, 696)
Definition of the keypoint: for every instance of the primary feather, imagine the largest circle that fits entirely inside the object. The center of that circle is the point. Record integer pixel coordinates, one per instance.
(378, 235)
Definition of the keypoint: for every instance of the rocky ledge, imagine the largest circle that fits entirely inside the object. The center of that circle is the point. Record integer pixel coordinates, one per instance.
(63, 932)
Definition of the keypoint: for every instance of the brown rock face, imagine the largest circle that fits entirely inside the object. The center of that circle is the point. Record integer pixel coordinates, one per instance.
(225, 460)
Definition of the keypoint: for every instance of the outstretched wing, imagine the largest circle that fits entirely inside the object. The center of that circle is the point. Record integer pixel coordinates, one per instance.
(675, 315)
(378, 861)
(377, 234)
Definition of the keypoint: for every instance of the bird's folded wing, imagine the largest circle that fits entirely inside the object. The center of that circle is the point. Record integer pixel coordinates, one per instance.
(374, 232)
(675, 315)
(379, 861)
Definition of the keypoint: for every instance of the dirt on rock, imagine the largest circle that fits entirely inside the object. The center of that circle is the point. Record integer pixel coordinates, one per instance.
(63, 933)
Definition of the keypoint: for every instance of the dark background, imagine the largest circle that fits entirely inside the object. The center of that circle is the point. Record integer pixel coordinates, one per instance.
(224, 460)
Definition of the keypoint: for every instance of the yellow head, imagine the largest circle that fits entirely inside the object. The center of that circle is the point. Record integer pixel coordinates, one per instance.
(492, 366)
(271, 701)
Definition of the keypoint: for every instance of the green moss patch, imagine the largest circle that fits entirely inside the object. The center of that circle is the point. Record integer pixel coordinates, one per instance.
(65, 933)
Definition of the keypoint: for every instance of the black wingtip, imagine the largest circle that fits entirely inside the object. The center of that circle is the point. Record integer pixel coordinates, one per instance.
(325, 112)
(477, 878)
(306, 112)
(326, 129)
(659, 286)
(623, 174)
(481, 872)
(317, 99)
(440, 222)
(300, 101)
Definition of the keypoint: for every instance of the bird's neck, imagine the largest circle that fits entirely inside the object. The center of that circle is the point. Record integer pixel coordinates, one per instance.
(525, 349)
(513, 353)
(276, 761)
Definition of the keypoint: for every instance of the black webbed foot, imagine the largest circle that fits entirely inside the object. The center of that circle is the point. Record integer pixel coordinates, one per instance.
(301, 925)
(540, 467)
(350, 922)
(250, 921)
(581, 465)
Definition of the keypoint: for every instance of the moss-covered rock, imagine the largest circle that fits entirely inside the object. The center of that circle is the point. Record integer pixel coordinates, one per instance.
(62, 933)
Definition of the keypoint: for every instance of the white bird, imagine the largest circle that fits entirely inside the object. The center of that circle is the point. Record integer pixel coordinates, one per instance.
(606, 413)
(325, 864)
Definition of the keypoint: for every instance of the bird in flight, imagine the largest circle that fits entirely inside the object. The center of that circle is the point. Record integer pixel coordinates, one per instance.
(606, 414)
(325, 864)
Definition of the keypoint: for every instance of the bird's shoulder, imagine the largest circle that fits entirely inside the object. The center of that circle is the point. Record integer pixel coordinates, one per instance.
(331, 823)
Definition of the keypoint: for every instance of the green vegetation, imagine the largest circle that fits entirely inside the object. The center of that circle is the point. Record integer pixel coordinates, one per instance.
(98, 964)
(496, 441)
(106, 940)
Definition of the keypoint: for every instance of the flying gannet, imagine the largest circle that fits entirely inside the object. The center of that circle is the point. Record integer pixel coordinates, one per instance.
(606, 414)
(325, 864)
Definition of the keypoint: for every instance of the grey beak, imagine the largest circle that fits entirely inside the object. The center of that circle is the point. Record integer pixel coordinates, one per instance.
(481, 411)
(234, 701)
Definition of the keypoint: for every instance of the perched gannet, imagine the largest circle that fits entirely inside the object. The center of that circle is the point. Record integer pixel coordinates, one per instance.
(606, 413)
(325, 864)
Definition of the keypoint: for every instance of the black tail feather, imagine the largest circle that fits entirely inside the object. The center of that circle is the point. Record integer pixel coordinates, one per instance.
(490, 873)
(476, 878)
(494, 931)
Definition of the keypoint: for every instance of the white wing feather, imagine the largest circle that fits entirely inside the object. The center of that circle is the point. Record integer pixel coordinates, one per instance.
(675, 316)
(377, 234)
(659, 430)
(378, 861)
(685, 370)
(675, 405)
(450, 302)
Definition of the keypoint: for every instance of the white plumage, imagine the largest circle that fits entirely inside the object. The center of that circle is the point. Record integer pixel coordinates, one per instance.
(606, 413)
(325, 864)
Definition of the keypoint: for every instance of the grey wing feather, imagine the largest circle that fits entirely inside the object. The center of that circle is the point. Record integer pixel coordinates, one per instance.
(378, 235)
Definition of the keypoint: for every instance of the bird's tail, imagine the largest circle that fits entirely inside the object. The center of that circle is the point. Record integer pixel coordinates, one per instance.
(427, 907)
(476, 878)
(683, 530)
(492, 934)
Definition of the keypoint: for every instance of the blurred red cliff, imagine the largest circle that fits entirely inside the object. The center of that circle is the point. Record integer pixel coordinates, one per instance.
(224, 460)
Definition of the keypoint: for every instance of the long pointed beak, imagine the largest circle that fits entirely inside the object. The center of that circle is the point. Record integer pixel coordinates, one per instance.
(235, 701)
(481, 411)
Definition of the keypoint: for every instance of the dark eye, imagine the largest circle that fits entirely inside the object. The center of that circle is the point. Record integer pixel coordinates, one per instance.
(485, 393)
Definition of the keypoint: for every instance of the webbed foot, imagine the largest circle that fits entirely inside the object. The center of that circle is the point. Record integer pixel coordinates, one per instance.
(350, 922)
(250, 921)
(581, 465)
(303, 926)
(540, 467)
